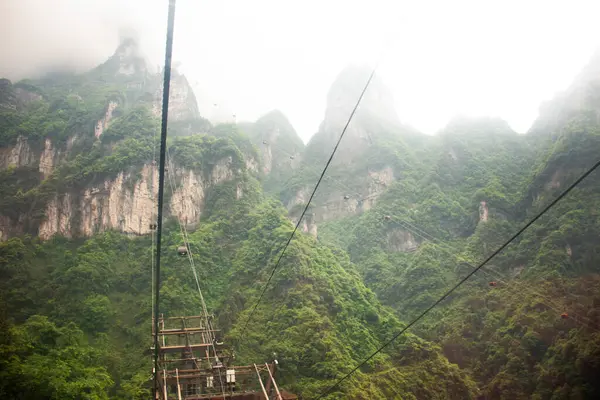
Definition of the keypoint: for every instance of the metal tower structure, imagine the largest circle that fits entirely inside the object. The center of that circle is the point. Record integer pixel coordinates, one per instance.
(193, 365)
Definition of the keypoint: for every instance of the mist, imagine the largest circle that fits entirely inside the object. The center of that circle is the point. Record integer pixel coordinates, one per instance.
(439, 58)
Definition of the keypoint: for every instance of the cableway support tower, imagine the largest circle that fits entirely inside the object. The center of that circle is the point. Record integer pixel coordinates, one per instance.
(193, 365)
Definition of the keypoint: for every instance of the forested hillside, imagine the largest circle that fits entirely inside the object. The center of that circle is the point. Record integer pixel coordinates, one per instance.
(399, 219)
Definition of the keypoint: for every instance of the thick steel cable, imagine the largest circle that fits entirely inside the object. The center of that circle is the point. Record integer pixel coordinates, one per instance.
(522, 286)
(462, 281)
(429, 236)
(153, 213)
(190, 257)
(310, 199)
(184, 235)
(161, 177)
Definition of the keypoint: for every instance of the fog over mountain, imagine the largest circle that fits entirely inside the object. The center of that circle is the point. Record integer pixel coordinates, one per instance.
(247, 58)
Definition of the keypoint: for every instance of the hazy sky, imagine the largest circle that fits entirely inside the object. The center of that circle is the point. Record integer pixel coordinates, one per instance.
(442, 58)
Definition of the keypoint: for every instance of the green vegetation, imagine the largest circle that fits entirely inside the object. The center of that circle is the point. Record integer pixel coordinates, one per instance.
(509, 338)
(75, 313)
(328, 320)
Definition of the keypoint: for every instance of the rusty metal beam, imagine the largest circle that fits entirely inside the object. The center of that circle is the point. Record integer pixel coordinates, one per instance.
(178, 386)
(237, 368)
(164, 387)
(186, 330)
(175, 349)
(274, 383)
(182, 318)
(173, 360)
(261, 383)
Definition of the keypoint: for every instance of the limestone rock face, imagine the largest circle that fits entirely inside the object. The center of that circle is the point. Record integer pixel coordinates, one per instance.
(103, 122)
(47, 158)
(339, 203)
(375, 114)
(58, 217)
(19, 155)
(127, 203)
(483, 212)
(127, 59)
(24, 96)
(182, 101)
(278, 143)
(401, 241)
(363, 166)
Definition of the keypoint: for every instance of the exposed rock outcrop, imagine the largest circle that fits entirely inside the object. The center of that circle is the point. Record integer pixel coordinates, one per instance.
(58, 217)
(279, 145)
(483, 211)
(379, 181)
(127, 202)
(375, 116)
(309, 227)
(25, 96)
(340, 204)
(19, 155)
(102, 123)
(127, 59)
(401, 241)
(47, 158)
(182, 101)
(267, 157)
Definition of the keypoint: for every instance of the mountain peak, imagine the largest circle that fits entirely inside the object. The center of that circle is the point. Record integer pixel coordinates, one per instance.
(273, 126)
(126, 60)
(590, 74)
(462, 124)
(582, 95)
(375, 117)
(377, 101)
(275, 117)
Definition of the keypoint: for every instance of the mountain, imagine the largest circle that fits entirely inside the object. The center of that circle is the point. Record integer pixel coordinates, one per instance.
(279, 144)
(399, 219)
(581, 95)
(376, 150)
(480, 183)
(92, 183)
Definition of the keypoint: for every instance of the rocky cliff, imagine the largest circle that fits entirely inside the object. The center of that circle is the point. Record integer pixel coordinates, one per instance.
(127, 203)
(372, 155)
(374, 119)
(102, 118)
(582, 95)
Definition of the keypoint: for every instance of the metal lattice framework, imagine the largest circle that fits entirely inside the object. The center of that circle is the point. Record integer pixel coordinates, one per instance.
(194, 365)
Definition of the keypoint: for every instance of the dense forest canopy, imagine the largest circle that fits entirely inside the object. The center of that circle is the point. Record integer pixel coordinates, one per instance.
(398, 220)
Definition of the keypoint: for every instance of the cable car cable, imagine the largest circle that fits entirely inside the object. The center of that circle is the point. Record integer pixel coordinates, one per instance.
(430, 237)
(520, 286)
(462, 281)
(161, 177)
(188, 253)
(488, 271)
(310, 199)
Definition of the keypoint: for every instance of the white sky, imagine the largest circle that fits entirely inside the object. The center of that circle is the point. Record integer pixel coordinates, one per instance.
(442, 58)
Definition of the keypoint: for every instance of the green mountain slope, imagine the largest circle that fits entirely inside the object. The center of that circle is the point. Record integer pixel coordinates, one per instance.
(87, 297)
(401, 218)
